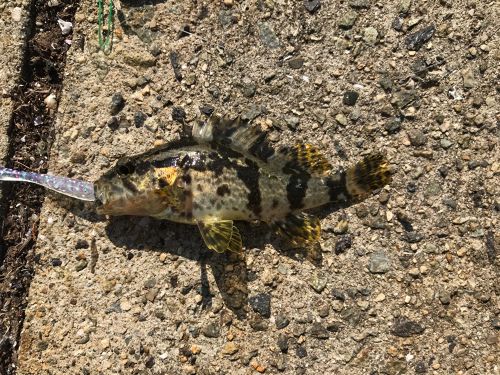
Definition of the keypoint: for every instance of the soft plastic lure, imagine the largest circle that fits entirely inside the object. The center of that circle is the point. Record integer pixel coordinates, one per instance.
(78, 189)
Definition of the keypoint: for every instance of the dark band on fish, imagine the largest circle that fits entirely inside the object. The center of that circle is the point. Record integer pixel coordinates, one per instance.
(338, 188)
(250, 175)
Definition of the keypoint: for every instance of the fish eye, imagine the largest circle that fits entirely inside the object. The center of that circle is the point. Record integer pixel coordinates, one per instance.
(126, 169)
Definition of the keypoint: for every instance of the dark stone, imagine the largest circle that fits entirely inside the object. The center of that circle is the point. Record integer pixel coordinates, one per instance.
(261, 304)
(318, 331)
(150, 362)
(416, 40)
(117, 103)
(343, 243)
(411, 187)
(174, 61)
(282, 342)
(352, 315)
(184, 32)
(338, 294)
(81, 244)
(420, 367)
(312, 5)
(404, 327)
(214, 91)
(281, 321)
(490, 247)
(450, 202)
(211, 330)
(393, 125)
(301, 351)
(350, 98)
(334, 327)
(56, 262)
(178, 114)
(296, 63)
(386, 84)
(248, 89)
(443, 171)
(139, 119)
(404, 220)
(259, 324)
(413, 237)
(397, 23)
(207, 110)
(113, 123)
(417, 137)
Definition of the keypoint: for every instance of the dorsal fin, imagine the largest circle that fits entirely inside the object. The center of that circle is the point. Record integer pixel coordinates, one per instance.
(301, 158)
(239, 135)
(234, 133)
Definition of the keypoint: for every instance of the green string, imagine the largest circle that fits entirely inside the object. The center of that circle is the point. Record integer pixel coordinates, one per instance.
(105, 44)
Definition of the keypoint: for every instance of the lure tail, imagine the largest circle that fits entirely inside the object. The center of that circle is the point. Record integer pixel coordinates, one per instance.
(78, 189)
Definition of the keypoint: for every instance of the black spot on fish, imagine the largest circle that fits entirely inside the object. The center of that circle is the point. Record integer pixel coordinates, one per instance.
(218, 206)
(186, 178)
(223, 190)
(199, 188)
(162, 183)
(275, 203)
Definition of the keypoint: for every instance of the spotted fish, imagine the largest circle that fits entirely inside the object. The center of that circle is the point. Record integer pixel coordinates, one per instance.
(227, 171)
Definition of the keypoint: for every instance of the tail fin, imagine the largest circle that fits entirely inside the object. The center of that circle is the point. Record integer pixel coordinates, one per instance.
(370, 174)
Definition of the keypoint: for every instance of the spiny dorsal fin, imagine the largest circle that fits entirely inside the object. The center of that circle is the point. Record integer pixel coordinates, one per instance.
(234, 133)
(300, 229)
(220, 236)
(302, 157)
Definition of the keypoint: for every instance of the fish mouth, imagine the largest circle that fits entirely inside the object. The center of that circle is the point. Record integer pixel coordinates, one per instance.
(110, 200)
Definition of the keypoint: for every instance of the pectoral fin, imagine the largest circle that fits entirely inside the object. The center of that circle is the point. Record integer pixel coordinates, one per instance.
(221, 235)
(300, 229)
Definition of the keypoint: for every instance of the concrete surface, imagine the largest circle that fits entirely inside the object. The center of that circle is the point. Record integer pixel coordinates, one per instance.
(416, 292)
(14, 17)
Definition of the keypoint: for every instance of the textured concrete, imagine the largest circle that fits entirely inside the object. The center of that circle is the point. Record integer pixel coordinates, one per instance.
(413, 288)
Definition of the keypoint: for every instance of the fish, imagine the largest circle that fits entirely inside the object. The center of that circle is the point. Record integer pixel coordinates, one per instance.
(228, 171)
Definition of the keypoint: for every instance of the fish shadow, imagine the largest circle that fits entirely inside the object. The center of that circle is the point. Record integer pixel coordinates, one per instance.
(229, 269)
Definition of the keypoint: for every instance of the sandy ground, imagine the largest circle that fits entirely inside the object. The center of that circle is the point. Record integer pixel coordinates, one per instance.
(410, 286)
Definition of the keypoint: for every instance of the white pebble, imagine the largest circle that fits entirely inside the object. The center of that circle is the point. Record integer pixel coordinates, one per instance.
(65, 26)
(16, 14)
(50, 101)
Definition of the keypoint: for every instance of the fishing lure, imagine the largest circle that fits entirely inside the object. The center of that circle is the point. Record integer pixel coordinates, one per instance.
(227, 171)
(68, 186)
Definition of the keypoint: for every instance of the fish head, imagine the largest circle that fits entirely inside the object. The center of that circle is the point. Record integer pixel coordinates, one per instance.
(136, 187)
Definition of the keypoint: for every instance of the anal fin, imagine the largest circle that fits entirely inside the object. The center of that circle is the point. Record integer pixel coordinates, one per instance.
(221, 235)
(301, 229)
(302, 157)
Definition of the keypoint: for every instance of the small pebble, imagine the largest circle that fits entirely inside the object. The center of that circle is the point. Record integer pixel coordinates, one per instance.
(261, 304)
(117, 103)
(379, 263)
(350, 98)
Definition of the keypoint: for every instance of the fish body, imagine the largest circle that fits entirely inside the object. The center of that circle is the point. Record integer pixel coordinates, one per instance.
(228, 172)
